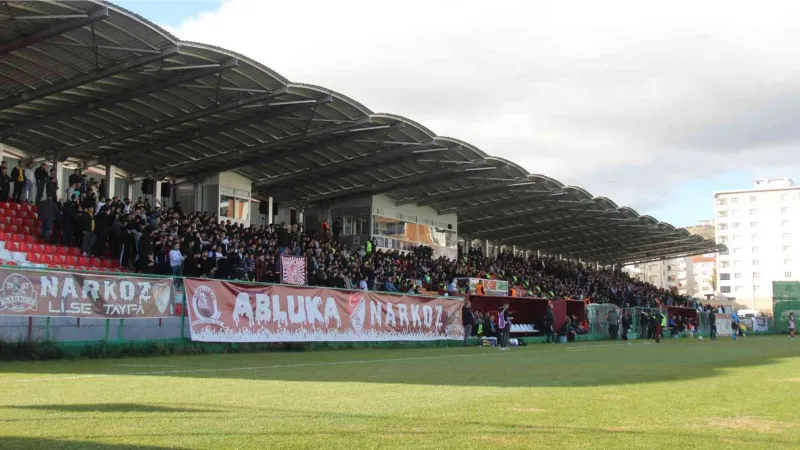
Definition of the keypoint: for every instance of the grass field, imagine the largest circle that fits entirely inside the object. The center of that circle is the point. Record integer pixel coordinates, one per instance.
(676, 395)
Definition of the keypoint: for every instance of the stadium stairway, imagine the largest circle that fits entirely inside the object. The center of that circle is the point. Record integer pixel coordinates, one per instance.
(20, 244)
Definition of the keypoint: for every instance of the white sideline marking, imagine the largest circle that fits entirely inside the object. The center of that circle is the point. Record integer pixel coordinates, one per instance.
(144, 365)
(276, 366)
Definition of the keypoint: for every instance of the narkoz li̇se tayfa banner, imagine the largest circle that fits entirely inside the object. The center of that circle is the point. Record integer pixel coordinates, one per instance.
(65, 294)
(220, 311)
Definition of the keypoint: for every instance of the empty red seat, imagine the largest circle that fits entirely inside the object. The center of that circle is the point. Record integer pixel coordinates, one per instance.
(14, 229)
(84, 261)
(17, 221)
(10, 263)
(107, 263)
(74, 251)
(62, 250)
(16, 237)
(38, 248)
(50, 249)
(2, 226)
(26, 247)
(72, 260)
(45, 258)
(34, 258)
(33, 208)
(30, 222)
(59, 259)
(12, 246)
(5, 236)
(31, 239)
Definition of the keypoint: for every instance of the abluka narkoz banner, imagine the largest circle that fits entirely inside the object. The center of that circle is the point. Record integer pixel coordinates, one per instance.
(86, 295)
(220, 311)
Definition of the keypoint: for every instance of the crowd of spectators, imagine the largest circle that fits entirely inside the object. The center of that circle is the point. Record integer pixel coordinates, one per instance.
(145, 237)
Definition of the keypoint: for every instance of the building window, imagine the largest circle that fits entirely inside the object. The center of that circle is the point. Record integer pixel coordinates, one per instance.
(785, 223)
(722, 213)
(736, 250)
(737, 263)
(756, 274)
(787, 248)
(785, 209)
(755, 262)
(723, 239)
(724, 264)
(754, 250)
(753, 211)
(784, 196)
(722, 201)
(752, 199)
(757, 287)
(737, 276)
(753, 238)
(724, 276)
(787, 261)
(736, 237)
(786, 235)
(734, 200)
(725, 289)
(753, 224)
(722, 227)
(735, 225)
(735, 212)
(787, 274)
(738, 288)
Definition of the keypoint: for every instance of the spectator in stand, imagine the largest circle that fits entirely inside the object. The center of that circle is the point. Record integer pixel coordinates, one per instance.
(51, 187)
(84, 225)
(176, 260)
(549, 322)
(41, 176)
(30, 183)
(48, 211)
(18, 178)
(5, 183)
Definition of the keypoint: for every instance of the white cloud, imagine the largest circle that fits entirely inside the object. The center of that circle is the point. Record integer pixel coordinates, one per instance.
(624, 98)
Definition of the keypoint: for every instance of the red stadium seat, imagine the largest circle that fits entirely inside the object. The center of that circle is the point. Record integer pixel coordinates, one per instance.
(12, 246)
(31, 239)
(62, 250)
(34, 257)
(45, 258)
(14, 206)
(17, 221)
(33, 208)
(14, 229)
(107, 263)
(74, 251)
(72, 260)
(3, 226)
(84, 261)
(38, 248)
(30, 222)
(50, 249)
(59, 259)
(5, 236)
(16, 237)
(26, 247)
(10, 263)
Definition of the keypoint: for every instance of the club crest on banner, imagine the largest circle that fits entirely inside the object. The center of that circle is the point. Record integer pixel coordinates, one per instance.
(17, 294)
(357, 308)
(205, 305)
(163, 296)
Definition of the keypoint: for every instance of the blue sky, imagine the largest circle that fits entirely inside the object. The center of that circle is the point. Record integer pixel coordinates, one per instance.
(166, 12)
(692, 141)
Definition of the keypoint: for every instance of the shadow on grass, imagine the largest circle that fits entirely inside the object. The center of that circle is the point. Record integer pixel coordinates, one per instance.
(40, 443)
(605, 364)
(114, 408)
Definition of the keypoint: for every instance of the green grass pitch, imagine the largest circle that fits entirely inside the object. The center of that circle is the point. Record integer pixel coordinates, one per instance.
(679, 394)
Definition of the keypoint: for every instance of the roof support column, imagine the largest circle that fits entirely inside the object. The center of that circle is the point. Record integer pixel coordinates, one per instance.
(270, 213)
(111, 175)
(58, 166)
(486, 247)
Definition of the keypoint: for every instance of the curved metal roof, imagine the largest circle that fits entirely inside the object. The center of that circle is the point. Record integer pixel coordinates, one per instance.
(91, 81)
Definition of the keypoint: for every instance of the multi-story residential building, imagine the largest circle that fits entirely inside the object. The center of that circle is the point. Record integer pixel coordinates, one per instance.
(760, 228)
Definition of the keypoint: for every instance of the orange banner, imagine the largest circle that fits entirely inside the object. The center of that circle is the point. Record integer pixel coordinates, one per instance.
(221, 311)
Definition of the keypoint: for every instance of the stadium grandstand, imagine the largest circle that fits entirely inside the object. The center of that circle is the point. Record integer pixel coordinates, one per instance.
(200, 147)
